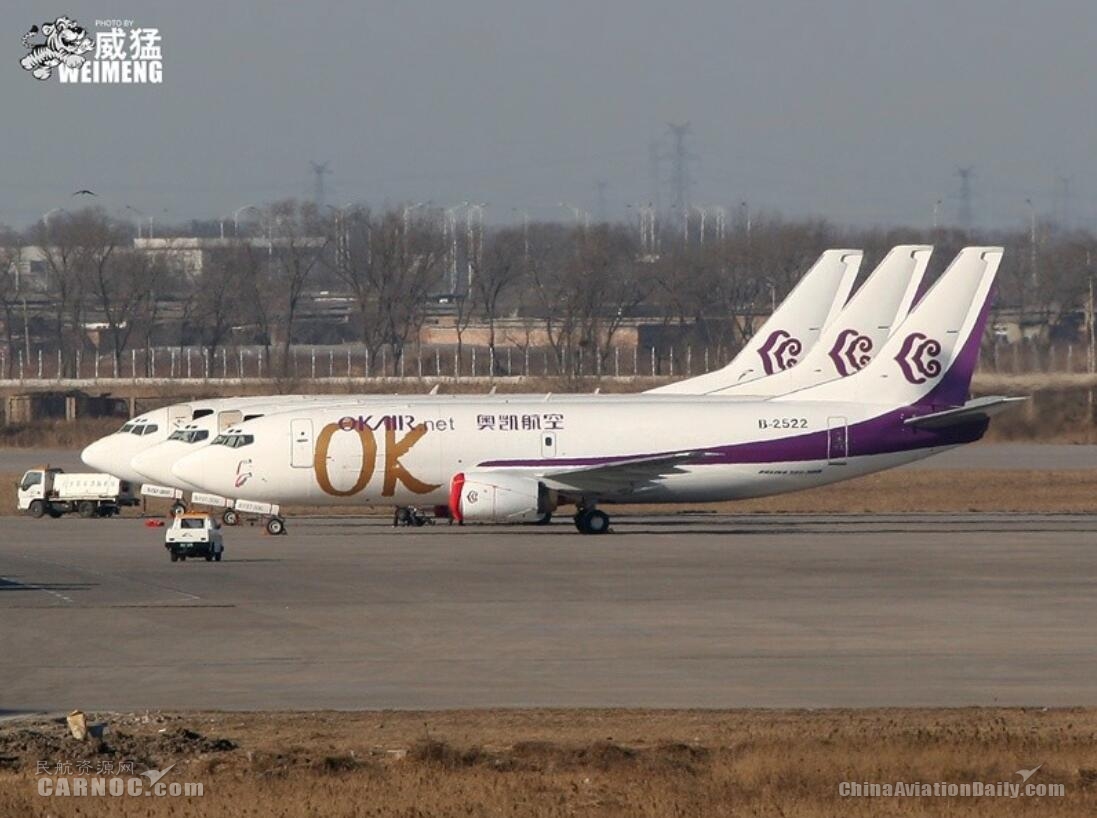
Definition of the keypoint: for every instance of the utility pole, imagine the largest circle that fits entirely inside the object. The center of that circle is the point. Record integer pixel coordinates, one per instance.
(655, 174)
(1032, 241)
(319, 169)
(965, 214)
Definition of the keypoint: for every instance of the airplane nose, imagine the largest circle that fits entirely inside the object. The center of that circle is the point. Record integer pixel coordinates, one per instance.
(155, 464)
(94, 455)
(194, 470)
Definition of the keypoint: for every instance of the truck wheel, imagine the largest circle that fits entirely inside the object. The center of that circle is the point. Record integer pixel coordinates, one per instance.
(36, 509)
(178, 508)
(86, 509)
(174, 556)
(276, 526)
(230, 517)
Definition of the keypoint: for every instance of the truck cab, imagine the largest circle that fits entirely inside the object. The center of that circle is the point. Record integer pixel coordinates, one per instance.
(194, 534)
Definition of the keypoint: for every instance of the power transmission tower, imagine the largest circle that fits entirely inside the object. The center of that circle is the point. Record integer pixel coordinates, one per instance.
(680, 157)
(319, 169)
(964, 216)
(601, 210)
(1063, 210)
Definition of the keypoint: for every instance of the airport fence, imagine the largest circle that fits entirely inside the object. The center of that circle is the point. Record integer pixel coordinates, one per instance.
(240, 364)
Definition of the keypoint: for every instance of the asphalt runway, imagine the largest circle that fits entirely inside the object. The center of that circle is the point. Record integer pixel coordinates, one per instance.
(668, 611)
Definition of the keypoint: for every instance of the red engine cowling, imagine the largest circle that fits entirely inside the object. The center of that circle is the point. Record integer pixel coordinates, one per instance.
(496, 497)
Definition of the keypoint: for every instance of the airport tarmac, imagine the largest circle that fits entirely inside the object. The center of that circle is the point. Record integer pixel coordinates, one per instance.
(668, 611)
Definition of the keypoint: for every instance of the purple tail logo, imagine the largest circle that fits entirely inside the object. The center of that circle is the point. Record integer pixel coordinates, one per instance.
(918, 358)
(851, 351)
(779, 351)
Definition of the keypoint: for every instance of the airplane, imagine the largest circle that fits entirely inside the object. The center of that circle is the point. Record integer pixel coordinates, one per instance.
(157, 437)
(507, 458)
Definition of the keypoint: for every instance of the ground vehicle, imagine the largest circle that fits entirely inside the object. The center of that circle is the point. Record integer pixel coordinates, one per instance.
(194, 534)
(51, 491)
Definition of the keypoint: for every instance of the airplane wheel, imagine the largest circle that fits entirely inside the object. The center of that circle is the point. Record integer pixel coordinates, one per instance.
(592, 521)
(177, 508)
(230, 517)
(276, 526)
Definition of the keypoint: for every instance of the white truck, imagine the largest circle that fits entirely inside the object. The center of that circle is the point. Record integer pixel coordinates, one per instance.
(51, 491)
(194, 534)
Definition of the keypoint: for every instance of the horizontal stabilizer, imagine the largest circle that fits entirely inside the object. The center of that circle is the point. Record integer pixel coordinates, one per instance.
(977, 409)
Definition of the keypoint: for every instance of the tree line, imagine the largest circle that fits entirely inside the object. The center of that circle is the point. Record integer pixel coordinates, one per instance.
(572, 286)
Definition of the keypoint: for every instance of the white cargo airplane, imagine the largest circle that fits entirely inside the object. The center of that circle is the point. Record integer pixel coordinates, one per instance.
(879, 305)
(516, 458)
(820, 293)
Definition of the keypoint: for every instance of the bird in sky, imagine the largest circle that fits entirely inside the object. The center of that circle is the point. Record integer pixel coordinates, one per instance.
(85, 192)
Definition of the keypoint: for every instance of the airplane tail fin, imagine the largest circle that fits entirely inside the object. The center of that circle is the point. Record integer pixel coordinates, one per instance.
(791, 330)
(931, 357)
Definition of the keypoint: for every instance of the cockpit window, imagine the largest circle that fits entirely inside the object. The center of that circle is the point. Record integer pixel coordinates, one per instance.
(126, 428)
(189, 435)
(233, 441)
(252, 417)
(201, 413)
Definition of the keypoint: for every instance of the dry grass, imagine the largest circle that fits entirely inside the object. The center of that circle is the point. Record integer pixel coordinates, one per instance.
(565, 763)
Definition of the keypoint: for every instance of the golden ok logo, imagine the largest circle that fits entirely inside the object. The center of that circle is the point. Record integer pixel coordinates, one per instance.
(394, 472)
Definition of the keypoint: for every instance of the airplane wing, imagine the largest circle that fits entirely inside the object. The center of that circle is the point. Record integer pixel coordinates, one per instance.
(978, 409)
(620, 475)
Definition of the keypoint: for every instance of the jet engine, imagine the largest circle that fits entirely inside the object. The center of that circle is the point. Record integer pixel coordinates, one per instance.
(497, 497)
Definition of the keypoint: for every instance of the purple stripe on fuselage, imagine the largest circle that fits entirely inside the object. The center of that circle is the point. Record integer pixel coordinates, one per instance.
(885, 434)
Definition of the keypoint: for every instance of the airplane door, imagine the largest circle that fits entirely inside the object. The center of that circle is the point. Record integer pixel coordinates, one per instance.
(548, 444)
(301, 443)
(837, 441)
(228, 418)
(178, 415)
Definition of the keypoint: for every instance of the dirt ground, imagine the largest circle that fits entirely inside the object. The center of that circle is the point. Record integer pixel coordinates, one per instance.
(564, 763)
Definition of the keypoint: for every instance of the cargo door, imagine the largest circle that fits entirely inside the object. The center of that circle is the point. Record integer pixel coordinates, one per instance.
(228, 418)
(301, 443)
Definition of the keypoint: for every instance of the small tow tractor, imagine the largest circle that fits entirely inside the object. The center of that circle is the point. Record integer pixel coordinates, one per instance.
(194, 534)
(410, 516)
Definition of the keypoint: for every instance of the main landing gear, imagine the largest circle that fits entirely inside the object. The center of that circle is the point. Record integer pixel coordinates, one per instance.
(591, 521)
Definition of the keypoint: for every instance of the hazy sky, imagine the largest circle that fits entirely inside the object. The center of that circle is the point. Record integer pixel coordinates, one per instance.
(859, 111)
